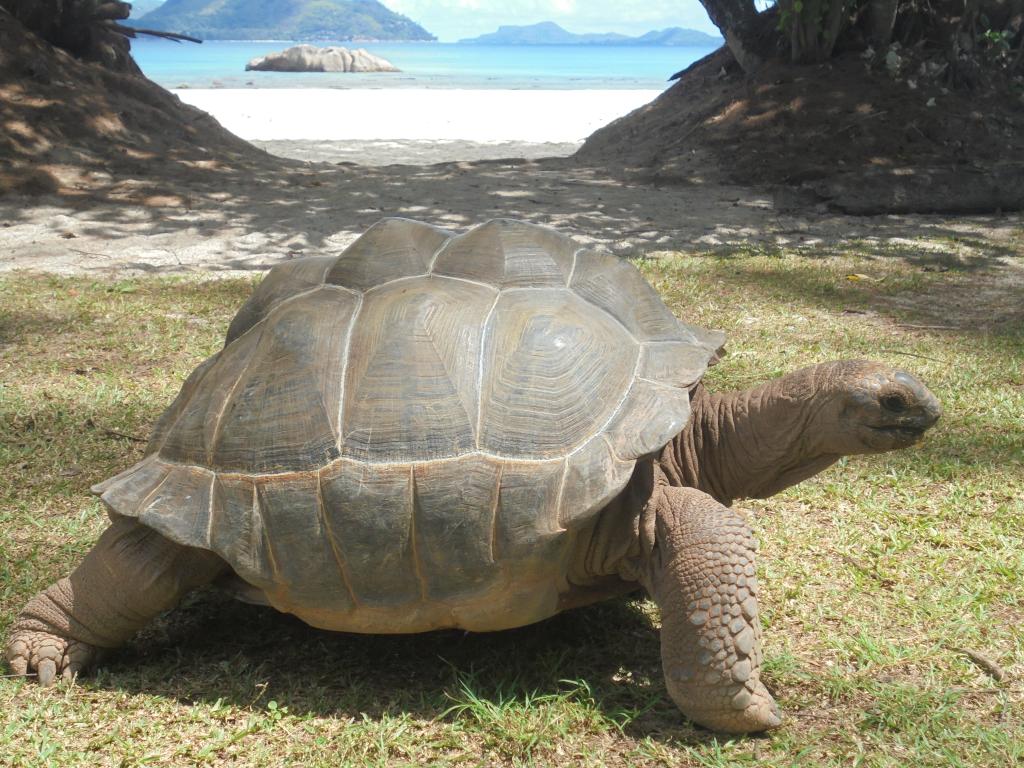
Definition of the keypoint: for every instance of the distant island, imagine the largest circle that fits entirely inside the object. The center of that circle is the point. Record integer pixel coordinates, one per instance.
(283, 20)
(549, 33)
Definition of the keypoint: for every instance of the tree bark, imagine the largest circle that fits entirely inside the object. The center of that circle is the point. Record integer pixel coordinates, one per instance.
(813, 27)
(737, 21)
(881, 20)
(87, 29)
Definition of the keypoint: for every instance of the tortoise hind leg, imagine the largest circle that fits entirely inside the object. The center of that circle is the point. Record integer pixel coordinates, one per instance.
(700, 571)
(129, 577)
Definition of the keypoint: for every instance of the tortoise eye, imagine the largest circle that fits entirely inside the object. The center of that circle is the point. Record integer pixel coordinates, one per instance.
(894, 403)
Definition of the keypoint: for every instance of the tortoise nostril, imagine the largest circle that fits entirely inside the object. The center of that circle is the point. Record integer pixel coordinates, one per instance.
(894, 403)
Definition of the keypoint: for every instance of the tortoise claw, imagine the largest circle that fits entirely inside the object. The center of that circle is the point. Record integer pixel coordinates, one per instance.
(50, 656)
(17, 657)
(47, 670)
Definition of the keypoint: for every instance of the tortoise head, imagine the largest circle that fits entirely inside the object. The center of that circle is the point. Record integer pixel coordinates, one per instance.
(875, 408)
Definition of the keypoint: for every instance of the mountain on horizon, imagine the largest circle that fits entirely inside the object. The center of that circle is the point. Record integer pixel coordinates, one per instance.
(141, 7)
(550, 33)
(303, 20)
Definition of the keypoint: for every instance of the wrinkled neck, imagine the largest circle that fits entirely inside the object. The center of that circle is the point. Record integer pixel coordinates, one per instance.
(750, 444)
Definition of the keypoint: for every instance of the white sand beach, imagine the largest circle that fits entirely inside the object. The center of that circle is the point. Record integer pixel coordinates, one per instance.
(413, 151)
(414, 125)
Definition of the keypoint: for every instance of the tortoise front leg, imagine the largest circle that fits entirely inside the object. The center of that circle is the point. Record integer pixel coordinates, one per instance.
(132, 575)
(699, 568)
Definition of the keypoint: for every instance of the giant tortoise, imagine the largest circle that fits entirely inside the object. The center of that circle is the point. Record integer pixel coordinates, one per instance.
(478, 431)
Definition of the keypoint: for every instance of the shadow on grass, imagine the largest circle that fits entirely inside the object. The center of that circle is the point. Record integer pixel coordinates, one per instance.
(989, 303)
(216, 649)
(965, 254)
(85, 318)
(15, 324)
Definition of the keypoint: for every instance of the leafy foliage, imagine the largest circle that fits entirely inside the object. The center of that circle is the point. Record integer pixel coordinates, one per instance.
(968, 33)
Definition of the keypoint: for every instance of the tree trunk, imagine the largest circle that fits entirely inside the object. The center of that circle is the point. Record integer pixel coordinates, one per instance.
(881, 20)
(87, 29)
(737, 21)
(813, 26)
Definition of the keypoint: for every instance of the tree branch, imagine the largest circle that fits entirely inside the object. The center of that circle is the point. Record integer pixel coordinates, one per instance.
(133, 31)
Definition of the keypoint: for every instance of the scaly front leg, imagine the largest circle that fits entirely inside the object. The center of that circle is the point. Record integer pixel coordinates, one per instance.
(130, 576)
(699, 568)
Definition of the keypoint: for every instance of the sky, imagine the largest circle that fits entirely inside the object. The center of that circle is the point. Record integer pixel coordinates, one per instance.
(454, 19)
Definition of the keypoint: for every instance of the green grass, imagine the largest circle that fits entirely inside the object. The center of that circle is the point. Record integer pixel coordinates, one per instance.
(877, 574)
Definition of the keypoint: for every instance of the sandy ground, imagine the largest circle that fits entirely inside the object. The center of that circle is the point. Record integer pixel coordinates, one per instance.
(239, 225)
(232, 220)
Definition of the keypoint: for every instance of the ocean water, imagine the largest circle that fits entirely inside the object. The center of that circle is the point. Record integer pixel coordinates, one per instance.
(221, 64)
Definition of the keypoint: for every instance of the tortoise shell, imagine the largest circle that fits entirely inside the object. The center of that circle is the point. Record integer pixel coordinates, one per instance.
(406, 436)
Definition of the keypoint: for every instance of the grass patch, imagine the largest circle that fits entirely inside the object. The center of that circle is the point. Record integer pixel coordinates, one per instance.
(877, 574)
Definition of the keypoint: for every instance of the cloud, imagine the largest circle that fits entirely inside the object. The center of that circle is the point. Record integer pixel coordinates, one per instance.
(452, 19)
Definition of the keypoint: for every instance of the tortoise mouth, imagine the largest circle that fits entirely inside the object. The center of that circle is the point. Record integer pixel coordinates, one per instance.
(903, 431)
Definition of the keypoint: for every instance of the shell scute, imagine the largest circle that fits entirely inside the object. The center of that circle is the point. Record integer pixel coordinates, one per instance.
(236, 531)
(282, 413)
(553, 372)
(390, 249)
(593, 476)
(184, 400)
(282, 282)
(456, 502)
(529, 545)
(673, 363)
(269, 401)
(189, 438)
(411, 389)
(179, 507)
(368, 512)
(616, 286)
(129, 489)
(651, 414)
(298, 546)
(508, 254)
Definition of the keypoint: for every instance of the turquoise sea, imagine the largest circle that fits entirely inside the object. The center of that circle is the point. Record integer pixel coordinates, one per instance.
(424, 65)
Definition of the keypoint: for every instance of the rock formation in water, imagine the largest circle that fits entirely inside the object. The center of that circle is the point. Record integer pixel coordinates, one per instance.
(309, 58)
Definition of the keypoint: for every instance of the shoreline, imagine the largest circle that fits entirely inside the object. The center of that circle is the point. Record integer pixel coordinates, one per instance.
(387, 152)
(415, 114)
